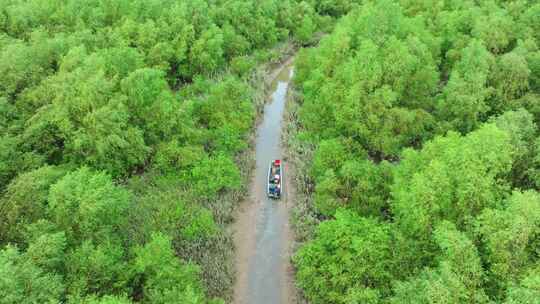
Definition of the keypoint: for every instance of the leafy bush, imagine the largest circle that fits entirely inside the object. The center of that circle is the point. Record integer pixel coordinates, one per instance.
(348, 254)
(423, 115)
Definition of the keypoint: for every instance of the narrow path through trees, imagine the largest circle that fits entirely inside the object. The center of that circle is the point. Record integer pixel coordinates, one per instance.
(262, 234)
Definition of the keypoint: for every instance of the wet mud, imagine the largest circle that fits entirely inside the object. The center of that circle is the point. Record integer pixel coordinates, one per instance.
(262, 233)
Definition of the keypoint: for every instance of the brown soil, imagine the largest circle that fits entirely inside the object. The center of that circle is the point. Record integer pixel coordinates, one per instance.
(247, 232)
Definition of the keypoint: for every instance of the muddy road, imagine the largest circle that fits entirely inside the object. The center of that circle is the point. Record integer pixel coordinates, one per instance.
(262, 234)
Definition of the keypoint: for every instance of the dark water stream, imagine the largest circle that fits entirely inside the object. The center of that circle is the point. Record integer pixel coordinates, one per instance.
(265, 273)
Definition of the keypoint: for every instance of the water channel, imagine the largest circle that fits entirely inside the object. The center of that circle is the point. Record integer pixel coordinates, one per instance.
(262, 232)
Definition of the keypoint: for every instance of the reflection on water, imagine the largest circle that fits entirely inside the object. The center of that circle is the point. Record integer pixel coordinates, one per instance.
(265, 274)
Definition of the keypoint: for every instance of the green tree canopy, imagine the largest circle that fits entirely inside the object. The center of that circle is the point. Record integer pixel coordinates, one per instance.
(88, 206)
(349, 254)
(24, 282)
(510, 238)
(26, 201)
(457, 278)
(166, 278)
(451, 178)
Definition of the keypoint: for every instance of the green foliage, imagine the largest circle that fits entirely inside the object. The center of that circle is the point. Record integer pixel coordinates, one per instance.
(106, 300)
(13, 160)
(330, 155)
(88, 206)
(510, 78)
(351, 92)
(348, 257)
(495, 29)
(242, 65)
(166, 278)
(123, 118)
(8, 112)
(172, 157)
(510, 238)
(25, 201)
(457, 278)
(465, 94)
(214, 175)
(164, 209)
(24, 282)
(535, 171)
(359, 185)
(424, 115)
(523, 133)
(48, 251)
(97, 269)
(452, 177)
(23, 64)
(227, 111)
(89, 87)
(89, 82)
(334, 8)
(528, 291)
(460, 255)
(151, 104)
(207, 52)
(304, 22)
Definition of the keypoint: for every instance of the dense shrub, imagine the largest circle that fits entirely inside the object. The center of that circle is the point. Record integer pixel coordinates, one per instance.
(120, 124)
(422, 118)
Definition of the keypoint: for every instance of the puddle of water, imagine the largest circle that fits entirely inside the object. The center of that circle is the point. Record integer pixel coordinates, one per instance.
(262, 271)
